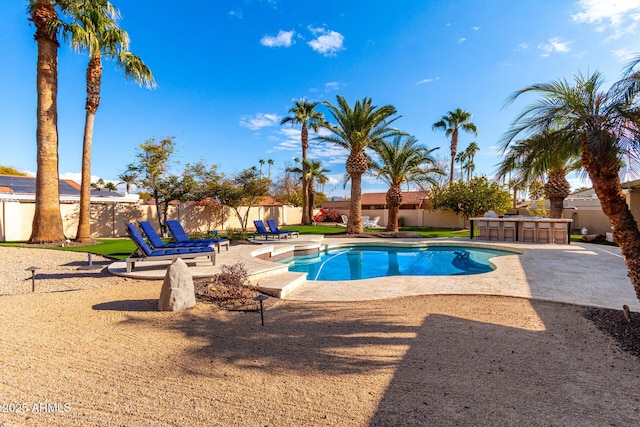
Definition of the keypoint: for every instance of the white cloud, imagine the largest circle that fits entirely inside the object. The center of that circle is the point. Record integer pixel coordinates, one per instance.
(283, 39)
(328, 43)
(260, 120)
(462, 39)
(475, 28)
(428, 80)
(613, 12)
(554, 45)
(522, 46)
(331, 86)
(236, 14)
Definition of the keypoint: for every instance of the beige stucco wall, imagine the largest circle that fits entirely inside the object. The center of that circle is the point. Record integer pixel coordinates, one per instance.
(109, 219)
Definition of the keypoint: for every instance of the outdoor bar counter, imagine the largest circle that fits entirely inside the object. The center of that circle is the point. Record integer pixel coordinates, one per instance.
(524, 227)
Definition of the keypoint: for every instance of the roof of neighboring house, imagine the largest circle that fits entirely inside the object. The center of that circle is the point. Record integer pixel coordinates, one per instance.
(408, 198)
(24, 188)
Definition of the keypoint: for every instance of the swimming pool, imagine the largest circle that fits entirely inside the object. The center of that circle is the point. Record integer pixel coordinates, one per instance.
(365, 262)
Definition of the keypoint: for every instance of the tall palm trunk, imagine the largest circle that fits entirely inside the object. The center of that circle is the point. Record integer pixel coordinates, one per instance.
(606, 183)
(94, 75)
(311, 194)
(454, 151)
(394, 200)
(47, 220)
(356, 167)
(306, 218)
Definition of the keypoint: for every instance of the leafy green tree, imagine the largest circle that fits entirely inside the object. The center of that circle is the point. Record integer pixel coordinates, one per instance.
(47, 220)
(451, 124)
(152, 169)
(110, 186)
(94, 28)
(9, 170)
(542, 157)
(245, 188)
(304, 113)
(402, 161)
(364, 125)
(472, 198)
(606, 125)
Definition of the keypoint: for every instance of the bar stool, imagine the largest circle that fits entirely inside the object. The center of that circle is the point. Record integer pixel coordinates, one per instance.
(509, 226)
(493, 225)
(560, 229)
(529, 227)
(544, 227)
(483, 226)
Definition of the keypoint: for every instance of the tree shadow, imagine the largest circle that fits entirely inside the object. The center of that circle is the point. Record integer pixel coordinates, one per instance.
(462, 372)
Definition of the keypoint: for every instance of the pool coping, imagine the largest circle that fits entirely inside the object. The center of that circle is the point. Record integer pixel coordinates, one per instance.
(583, 274)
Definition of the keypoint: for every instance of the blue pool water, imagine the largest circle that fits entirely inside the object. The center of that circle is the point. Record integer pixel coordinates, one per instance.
(365, 262)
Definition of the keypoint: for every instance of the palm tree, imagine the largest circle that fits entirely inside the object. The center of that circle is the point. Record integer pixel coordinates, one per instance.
(451, 124)
(304, 113)
(94, 28)
(470, 153)
(606, 126)
(357, 128)
(269, 164)
(461, 158)
(543, 156)
(402, 161)
(47, 220)
(262, 162)
(128, 178)
(315, 173)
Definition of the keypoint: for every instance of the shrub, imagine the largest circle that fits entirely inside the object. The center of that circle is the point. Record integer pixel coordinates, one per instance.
(327, 215)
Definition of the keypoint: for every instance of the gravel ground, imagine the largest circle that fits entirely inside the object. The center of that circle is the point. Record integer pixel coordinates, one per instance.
(88, 349)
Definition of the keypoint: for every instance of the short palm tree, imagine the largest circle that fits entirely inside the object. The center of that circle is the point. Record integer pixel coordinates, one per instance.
(127, 178)
(451, 124)
(364, 125)
(94, 27)
(606, 126)
(542, 156)
(304, 113)
(315, 173)
(47, 220)
(402, 161)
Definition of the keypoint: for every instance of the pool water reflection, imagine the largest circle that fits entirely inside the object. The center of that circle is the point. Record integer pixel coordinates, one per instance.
(365, 262)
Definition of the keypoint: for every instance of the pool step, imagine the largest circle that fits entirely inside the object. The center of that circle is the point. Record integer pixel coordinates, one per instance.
(279, 285)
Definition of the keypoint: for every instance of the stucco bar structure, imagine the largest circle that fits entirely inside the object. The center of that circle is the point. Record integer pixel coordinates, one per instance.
(522, 228)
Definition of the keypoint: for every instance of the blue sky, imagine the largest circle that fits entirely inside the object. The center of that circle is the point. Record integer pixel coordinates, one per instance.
(227, 73)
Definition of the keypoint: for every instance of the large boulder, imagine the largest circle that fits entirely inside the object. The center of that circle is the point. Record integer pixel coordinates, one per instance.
(177, 289)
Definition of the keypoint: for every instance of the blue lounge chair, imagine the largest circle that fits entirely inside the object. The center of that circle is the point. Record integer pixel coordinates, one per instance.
(273, 227)
(180, 236)
(156, 242)
(145, 253)
(261, 230)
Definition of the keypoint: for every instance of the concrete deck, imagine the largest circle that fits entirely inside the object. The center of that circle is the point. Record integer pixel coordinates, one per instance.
(580, 273)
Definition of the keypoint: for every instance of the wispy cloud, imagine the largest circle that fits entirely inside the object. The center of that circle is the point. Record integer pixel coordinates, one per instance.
(260, 120)
(554, 45)
(428, 80)
(236, 14)
(333, 86)
(522, 46)
(282, 39)
(327, 42)
(475, 28)
(607, 12)
(462, 39)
